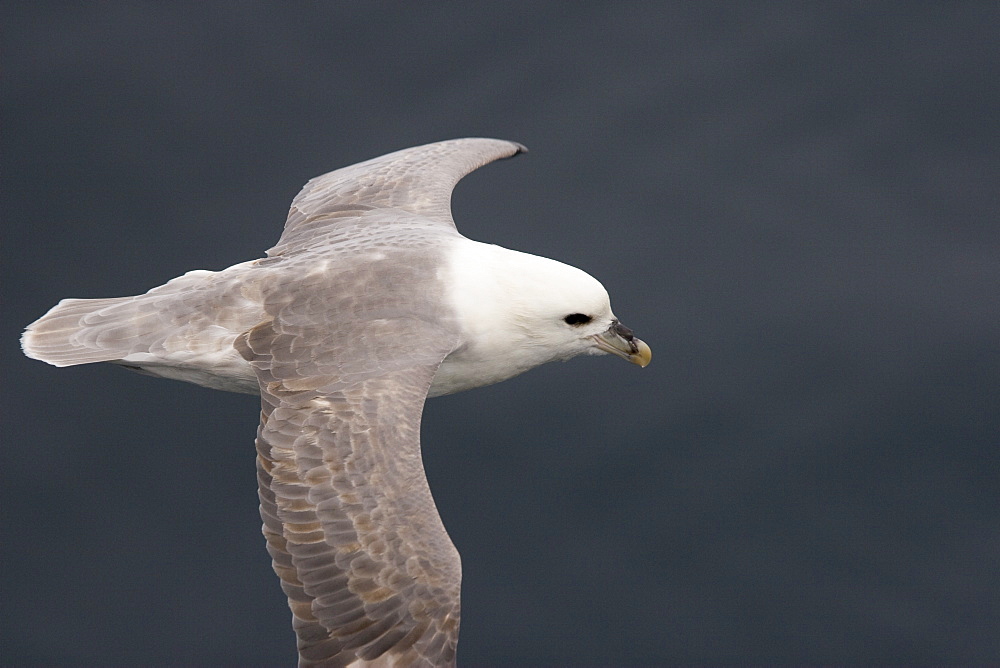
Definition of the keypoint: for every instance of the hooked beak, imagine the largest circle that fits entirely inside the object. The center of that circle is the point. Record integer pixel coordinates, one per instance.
(619, 340)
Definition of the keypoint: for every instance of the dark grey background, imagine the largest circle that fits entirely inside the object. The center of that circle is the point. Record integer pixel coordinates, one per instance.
(795, 205)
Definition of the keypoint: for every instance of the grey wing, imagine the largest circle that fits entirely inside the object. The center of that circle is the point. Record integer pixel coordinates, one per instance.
(418, 180)
(369, 571)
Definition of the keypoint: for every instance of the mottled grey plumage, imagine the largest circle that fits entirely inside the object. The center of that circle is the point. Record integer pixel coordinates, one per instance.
(369, 302)
(419, 180)
(348, 516)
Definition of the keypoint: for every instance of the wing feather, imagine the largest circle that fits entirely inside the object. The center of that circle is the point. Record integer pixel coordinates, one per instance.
(353, 533)
(416, 180)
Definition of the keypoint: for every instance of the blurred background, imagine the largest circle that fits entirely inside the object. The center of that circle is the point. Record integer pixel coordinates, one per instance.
(795, 204)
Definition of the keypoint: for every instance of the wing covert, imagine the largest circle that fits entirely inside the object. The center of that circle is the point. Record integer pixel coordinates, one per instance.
(418, 180)
(351, 526)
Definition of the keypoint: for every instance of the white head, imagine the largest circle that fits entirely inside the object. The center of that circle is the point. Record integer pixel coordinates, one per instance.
(519, 310)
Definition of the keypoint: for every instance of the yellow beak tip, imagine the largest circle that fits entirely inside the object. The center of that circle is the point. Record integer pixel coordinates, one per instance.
(643, 355)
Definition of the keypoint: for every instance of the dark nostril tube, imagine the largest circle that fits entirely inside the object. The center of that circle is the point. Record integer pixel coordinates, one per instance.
(622, 331)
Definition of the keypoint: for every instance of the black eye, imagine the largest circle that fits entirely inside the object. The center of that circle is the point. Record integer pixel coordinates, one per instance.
(577, 319)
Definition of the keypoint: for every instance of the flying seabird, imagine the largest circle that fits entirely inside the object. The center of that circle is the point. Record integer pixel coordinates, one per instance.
(370, 302)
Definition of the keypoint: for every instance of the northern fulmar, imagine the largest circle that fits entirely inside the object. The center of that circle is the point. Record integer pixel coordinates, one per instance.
(370, 302)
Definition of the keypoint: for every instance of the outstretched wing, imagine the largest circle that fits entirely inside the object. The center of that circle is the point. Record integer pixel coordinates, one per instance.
(353, 532)
(417, 180)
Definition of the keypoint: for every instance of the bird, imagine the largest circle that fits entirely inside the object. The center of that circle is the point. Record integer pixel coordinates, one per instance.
(370, 302)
